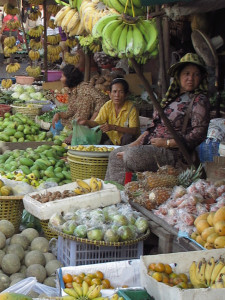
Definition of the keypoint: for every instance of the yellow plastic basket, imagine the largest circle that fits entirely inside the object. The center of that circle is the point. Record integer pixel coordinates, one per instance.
(11, 209)
(84, 167)
(31, 112)
(47, 231)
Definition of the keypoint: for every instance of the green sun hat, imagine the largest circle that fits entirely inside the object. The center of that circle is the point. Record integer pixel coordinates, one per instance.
(192, 58)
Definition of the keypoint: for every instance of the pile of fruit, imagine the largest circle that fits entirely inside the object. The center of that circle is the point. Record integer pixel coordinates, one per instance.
(25, 255)
(210, 229)
(110, 224)
(101, 83)
(164, 273)
(103, 59)
(83, 188)
(154, 188)
(6, 83)
(48, 116)
(90, 148)
(35, 166)
(20, 128)
(209, 273)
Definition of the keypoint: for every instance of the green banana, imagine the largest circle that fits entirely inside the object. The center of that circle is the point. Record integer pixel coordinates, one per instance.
(116, 5)
(139, 41)
(150, 33)
(122, 44)
(108, 31)
(130, 42)
(99, 26)
(116, 35)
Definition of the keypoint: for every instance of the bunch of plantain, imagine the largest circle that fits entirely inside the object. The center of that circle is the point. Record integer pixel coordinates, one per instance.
(209, 273)
(54, 49)
(36, 31)
(85, 188)
(34, 45)
(10, 50)
(13, 67)
(71, 42)
(51, 24)
(33, 71)
(13, 24)
(34, 15)
(9, 41)
(6, 83)
(53, 39)
(53, 58)
(10, 9)
(34, 55)
(72, 59)
(90, 43)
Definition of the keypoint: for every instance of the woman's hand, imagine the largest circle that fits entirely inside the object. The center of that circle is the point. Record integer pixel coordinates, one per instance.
(81, 121)
(68, 140)
(55, 120)
(120, 155)
(106, 127)
(159, 142)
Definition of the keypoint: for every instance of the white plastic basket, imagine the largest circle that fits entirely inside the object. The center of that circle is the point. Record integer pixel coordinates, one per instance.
(72, 253)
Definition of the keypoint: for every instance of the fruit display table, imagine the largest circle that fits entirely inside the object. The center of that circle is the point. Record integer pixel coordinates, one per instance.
(168, 240)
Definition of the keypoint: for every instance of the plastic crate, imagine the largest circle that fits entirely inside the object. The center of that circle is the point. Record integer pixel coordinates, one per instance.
(134, 294)
(72, 253)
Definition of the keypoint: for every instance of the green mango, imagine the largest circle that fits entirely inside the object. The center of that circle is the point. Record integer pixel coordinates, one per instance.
(4, 137)
(58, 142)
(36, 173)
(27, 130)
(67, 174)
(34, 167)
(9, 131)
(41, 165)
(53, 179)
(20, 128)
(59, 175)
(25, 169)
(21, 140)
(18, 134)
(27, 162)
(58, 170)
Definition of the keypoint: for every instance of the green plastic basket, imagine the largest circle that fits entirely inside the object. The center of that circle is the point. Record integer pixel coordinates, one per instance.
(134, 294)
(155, 2)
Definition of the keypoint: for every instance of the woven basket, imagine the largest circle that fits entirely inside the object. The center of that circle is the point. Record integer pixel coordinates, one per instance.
(99, 243)
(4, 109)
(31, 112)
(84, 167)
(48, 233)
(11, 209)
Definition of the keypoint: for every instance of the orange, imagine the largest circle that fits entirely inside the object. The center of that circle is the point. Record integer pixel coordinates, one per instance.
(77, 279)
(82, 275)
(67, 278)
(165, 278)
(88, 279)
(69, 285)
(183, 277)
(106, 283)
(168, 269)
(157, 276)
(99, 274)
(96, 281)
(159, 267)
(91, 275)
(152, 266)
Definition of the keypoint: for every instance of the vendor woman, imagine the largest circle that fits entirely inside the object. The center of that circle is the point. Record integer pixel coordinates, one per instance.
(118, 118)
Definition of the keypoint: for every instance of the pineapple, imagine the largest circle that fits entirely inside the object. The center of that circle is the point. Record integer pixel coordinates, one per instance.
(190, 175)
(154, 180)
(170, 170)
(159, 195)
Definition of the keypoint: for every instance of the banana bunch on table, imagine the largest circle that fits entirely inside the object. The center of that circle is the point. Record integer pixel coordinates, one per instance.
(209, 273)
(85, 188)
(6, 83)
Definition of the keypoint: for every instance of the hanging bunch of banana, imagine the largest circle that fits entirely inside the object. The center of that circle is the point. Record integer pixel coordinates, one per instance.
(89, 43)
(53, 9)
(71, 59)
(54, 52)
(71, 42)
(120, 5)
(35, 45)
(13, 24)
(10, 9)
(51, 24)
(36, 2)
(6, 83)
(12, 67)
(10, 48)
(54, 39)
(34, 15)
(127, 37)
(69, 19)
(91, 11)
(33, 71)
(36, 31)
(34, 55)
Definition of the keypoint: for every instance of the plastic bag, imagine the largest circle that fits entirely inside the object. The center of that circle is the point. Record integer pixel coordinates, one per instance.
(83, 135)
(22, 287)
(30, 221)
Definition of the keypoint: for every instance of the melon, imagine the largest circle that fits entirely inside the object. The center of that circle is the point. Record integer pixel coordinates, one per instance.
(30, 233)
(21, 240)
(37, 271)
(40, 243)
(7, 228)
(52, 266)
(50, 281)
(16, 249)
(2, 288)
(2, 254)
(35, 257)
(16, 276)
(4, 279)
(23, 270)
(10, 263)
(16, 280)
(2, 240)
(49, 256)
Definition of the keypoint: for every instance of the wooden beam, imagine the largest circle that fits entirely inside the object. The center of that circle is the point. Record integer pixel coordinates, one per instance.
(45, 41)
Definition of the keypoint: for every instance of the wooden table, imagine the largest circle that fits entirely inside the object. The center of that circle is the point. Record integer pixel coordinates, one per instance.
(168, 242)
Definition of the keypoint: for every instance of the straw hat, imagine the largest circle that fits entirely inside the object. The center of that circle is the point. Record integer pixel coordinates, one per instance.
(192, 58)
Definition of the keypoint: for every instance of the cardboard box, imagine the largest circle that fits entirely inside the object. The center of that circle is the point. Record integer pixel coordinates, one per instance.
(107, 196)
(120, 273)
(136, 86)
(183, 260)
(25, 145)
(215, 171)
(52, 85)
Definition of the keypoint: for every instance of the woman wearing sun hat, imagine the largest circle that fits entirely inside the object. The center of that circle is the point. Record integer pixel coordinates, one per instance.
(186, 105)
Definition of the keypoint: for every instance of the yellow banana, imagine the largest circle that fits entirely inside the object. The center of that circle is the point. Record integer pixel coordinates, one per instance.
(221, 272)
(99, 184)
(200, 271)
(85, 288)
(208, 270)
(83, 184)
(68, 298)
(218, 266)
(95, 293)
(219, 284)
(71, 292)
(114, 297)
(192, 273)
(94, 184)
(77, 288)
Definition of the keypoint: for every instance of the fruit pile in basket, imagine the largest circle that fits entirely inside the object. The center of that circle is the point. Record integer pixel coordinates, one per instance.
(91, 148)
(110, 224)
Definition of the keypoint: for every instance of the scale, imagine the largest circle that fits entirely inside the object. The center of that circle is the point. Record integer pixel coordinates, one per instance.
(206, 49)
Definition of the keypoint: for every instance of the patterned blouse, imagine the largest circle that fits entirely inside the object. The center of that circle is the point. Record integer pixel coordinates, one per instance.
(84, 101)
(197, 124)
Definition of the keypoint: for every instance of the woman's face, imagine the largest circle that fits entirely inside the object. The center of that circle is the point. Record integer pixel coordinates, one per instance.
(117, 93)
(190, 78)
(63, 79)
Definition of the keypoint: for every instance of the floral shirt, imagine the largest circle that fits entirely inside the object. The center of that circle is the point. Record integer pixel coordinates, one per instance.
(84, 101)
(197, 124)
